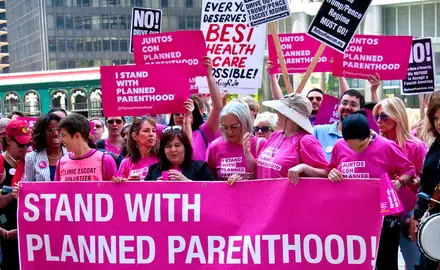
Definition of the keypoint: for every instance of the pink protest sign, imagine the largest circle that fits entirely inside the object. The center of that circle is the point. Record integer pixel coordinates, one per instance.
(367, 55)
(144, 90)
(29, 120)
(328, 111)
(176, 225)
(166, 48)
(298, 51)
(390, 203)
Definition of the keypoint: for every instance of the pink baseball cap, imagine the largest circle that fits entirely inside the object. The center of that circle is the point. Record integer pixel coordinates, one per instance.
(19, 130)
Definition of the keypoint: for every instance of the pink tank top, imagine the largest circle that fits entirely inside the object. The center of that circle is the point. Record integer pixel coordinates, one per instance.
(83, 169)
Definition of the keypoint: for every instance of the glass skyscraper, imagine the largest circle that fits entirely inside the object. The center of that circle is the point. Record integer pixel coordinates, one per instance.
(61, 34)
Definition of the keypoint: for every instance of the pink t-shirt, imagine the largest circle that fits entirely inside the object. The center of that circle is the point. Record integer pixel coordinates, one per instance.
(415, 150)
(198, 143)
(108, 165)
(282, 153)
(127, 167)
(381, 156)
(112, 149)
(226, 158)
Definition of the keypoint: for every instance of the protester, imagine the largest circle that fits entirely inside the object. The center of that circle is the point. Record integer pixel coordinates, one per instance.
(422, 128)
(227, 157)
(392, 120)
(3, 123)
(82, 163)
(350, 102)
(98, 128)
(113, 144)
(292, 151)
(142, 150)
(315, 96)
(125, 135)
(40, 165)
(363, 154)
(58, 111)
(15, 144)
(15, 114)
(265, 124)
(175, 159)
(429, 178)
(203, 133)
(253, 105)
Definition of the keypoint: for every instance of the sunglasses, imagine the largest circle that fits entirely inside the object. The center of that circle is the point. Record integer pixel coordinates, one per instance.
(19, 145)
(264, 129)
(313, 98)
(117, 121)
(174, 128)
(384, 117)
(52, 131)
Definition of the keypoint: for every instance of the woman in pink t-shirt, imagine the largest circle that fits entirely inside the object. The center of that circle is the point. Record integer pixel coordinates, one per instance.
(392, 120)
(362, 154)
(226, 157)
(292, 151)
(142, 150)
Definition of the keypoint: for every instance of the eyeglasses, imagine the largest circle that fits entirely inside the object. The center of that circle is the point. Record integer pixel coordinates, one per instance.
(19, 145)
(313, 98)
(233, 128)
(352, 104)
(384, 117)
(117, 121)
(264, 129)
(174, 128)
(98, 126)
(52, 131)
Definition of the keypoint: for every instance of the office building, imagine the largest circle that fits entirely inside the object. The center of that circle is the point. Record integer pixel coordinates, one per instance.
(4, 53)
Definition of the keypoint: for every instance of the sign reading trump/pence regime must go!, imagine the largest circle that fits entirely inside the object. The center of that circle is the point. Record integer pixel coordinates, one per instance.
(191, 225)
(264, 11)
(142, 90)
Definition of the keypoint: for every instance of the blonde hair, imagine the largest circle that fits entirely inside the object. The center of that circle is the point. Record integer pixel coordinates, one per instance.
(251, 102)
(396, 110)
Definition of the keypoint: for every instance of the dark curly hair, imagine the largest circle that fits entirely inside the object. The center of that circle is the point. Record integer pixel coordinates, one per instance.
(164, 163)
(39, 130)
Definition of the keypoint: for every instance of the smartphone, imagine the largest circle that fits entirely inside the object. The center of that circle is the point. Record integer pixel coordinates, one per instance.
(6, 190)
(165, 176)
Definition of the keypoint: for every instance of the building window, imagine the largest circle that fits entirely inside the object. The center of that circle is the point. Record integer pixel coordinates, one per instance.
(32, 103)
(122, 22)
(164, 3)
(60, 22)
(190, 22)
(96, 102)
(87, 22)
(79, 44)
(96, 21)
(78, 22)
(114, 22)
(59, 100)
(70, 45)
(105, 22)
(189, 3)
(61, 45)
(78, 100)
(106, 45)
(84, 63)
(182, 22)
(11, 102)
(97, 45)
(124, 45)
(52, 45)
(69, 21)
(71, 64)
(115, 45)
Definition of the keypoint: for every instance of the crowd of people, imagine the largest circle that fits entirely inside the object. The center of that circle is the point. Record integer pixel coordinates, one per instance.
(232, 141)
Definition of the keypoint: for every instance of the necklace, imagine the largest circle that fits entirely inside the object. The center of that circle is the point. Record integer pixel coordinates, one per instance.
(9, 156)
(53, 158)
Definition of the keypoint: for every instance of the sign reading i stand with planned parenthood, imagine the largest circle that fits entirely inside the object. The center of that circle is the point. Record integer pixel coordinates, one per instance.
(264, 11)
(145, 21)
(421, 70)
(337, 21)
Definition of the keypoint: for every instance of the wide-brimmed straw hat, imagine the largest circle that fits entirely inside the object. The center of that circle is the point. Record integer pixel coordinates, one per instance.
(296, 107)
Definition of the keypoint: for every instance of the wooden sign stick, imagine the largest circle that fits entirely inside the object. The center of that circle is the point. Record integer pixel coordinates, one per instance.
(276, 40)
(311, 68)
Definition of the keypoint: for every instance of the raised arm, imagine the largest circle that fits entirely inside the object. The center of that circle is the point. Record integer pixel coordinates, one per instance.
(374, 80)
(277, 93)
(343, 85)
(213, 121)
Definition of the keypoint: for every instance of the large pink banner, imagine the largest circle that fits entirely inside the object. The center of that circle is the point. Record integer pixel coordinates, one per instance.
(166, 48)
(298, 51)
(270, 224)
(367, 55)
(143, 90)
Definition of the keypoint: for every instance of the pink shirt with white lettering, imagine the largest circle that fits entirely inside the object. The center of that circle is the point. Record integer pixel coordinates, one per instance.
(415, 150)
(127, 167)
(381, 156)
(282, 153)
(225, 158)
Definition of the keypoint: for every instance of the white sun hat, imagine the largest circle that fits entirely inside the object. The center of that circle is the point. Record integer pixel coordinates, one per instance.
(296, 107)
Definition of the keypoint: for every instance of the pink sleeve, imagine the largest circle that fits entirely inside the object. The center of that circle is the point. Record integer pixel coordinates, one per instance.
(401, 164)
(122, 168)
(109, 168)
(159, 130)
(210, 158)
(208, 133)
(311, 153)
(334, 162)
(420, 155)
